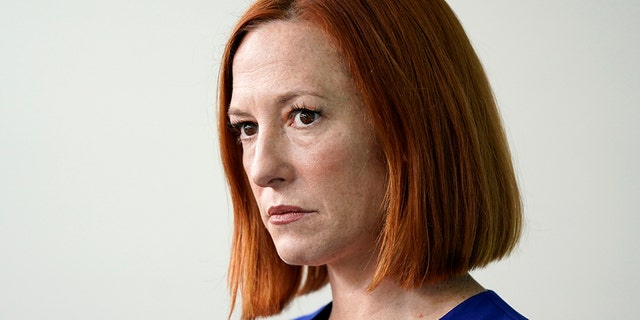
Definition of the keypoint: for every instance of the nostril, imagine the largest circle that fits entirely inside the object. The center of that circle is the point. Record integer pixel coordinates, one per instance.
(270, 171)
(268, 163)
(275, 181)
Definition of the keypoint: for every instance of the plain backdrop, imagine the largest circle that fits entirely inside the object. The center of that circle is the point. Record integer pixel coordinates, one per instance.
(112, 200)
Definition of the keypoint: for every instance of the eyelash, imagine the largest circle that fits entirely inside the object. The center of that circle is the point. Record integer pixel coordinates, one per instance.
(297, 109)
(237, 127)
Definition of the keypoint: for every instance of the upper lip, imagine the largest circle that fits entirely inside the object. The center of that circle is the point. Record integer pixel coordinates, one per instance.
(283, 209)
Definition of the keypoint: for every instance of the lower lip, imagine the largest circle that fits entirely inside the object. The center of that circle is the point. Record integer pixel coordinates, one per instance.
(286, 218)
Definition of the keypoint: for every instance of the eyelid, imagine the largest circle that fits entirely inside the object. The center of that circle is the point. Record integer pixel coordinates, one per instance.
(235, 124)
(302, 107)
(238, 126)
(237, 121)
(297, 109)
(238, 118)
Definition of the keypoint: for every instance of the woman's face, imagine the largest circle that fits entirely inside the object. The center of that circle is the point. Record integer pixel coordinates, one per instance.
(309, 152)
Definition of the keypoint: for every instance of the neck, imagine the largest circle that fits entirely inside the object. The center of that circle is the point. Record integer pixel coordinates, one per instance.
(353, 300)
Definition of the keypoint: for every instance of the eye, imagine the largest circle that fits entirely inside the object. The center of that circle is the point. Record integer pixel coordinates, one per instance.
(249, 128)
(303, 117)
(245, 129)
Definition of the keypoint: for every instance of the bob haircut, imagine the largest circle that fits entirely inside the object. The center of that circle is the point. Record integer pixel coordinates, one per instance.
(452, 203)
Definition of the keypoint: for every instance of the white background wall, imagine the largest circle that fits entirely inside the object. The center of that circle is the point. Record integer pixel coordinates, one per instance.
(112, 200)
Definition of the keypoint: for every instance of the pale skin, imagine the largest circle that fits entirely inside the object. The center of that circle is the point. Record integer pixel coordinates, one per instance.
(316, 171)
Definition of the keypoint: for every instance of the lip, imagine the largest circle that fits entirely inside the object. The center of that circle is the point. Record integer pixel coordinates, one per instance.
(285, 214)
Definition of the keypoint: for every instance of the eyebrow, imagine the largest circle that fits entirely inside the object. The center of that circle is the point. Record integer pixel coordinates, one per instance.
(235, 112)
(287, 97)
(280, 100)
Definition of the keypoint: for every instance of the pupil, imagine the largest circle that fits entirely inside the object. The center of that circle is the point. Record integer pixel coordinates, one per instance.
(249, 129)
(306, 117)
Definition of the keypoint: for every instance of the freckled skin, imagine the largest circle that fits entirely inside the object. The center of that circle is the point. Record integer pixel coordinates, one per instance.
(327, 164)
(330, 167)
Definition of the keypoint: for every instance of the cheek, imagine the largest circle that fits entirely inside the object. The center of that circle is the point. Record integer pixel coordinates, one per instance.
(341, 168)
(246, 165)
(245, 161)
(326, 164)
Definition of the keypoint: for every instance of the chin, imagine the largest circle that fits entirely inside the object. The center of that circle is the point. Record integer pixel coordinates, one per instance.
(298, 254)
(296, 261)
(294, 257)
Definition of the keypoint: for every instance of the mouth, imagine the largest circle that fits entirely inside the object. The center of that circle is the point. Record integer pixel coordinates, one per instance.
(284, 214)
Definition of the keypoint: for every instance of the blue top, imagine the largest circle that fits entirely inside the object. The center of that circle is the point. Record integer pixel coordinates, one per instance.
(486, 305)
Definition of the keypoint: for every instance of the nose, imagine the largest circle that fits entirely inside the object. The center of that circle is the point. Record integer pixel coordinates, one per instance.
(268, 165)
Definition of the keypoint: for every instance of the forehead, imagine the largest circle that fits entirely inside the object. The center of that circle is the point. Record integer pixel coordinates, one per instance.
(285, 40)
(286, 55)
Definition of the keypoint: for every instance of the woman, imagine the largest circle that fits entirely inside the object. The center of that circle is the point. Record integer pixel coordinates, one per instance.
(363, 148)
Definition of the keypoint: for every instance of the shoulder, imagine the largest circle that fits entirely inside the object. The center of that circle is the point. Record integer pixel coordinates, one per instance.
(322, 314)
(484, 306)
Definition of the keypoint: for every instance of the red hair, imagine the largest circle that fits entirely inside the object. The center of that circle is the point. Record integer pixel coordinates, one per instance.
(452, 200)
